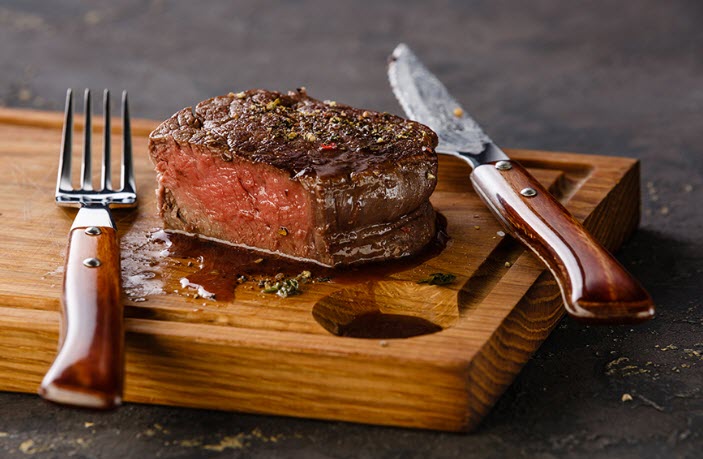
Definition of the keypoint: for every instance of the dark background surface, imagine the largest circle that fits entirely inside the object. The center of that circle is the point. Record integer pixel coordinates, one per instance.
(607, 77)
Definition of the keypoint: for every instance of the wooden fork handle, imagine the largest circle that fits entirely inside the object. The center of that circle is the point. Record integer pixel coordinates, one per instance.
(595, 287)
(89, 368)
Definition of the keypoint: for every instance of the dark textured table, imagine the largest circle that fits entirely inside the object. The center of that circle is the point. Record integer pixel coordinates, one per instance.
(607, 77)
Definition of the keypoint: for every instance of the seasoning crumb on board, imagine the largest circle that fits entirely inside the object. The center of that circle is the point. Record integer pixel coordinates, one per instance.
(508, 264)
(285, 287)
(438, 279)
(626, 398)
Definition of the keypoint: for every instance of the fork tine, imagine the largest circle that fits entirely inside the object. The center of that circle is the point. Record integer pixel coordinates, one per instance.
(86, 169)
(127, 182)
(106, 178)
(63, 182)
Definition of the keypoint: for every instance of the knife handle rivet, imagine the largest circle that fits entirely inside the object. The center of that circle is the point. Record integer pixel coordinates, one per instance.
(504, 165)
(528, 192)
(92, 262)
(93, 231)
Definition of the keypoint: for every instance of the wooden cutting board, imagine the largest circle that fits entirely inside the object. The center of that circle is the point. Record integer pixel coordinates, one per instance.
(259, 353)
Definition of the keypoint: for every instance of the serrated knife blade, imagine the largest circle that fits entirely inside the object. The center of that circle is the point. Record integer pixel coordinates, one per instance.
(595, 287)
(425, 100)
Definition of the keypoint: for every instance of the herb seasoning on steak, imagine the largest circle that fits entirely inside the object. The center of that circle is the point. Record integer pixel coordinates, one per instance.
(293, 175)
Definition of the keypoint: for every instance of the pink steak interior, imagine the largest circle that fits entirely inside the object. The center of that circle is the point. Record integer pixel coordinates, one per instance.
(237, 200)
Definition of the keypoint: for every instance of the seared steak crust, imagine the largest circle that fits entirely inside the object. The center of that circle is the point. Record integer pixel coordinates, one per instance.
(347, 185)
(290, 132)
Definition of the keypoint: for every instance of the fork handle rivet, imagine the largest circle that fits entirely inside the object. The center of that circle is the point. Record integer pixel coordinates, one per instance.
(528, 192)
(92, 262)
(93, 231)
(503, 165)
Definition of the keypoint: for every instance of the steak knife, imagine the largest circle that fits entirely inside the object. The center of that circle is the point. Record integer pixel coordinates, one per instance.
(595, 287)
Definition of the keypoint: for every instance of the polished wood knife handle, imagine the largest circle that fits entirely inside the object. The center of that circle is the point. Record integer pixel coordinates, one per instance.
(89, 368)
(596, 288)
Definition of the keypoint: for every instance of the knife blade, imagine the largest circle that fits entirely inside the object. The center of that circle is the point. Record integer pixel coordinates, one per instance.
(595, 287)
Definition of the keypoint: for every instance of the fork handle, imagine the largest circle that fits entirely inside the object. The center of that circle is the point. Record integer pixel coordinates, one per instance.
(595, 287)
(89, 368)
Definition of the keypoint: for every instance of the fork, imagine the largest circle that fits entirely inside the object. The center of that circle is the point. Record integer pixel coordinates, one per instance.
(88, 370)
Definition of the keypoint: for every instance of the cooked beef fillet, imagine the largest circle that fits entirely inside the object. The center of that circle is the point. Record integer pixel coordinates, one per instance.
(294, 175)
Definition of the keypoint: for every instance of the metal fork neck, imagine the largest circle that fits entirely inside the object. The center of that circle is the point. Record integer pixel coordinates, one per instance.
(93, 215)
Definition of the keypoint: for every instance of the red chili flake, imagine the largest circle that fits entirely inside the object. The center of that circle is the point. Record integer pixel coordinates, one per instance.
(328, 146)
(405, 229)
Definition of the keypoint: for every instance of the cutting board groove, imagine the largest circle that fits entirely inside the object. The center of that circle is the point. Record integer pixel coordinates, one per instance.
(262, 354)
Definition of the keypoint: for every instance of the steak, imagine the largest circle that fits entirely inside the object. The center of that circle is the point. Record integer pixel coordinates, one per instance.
(293, 175)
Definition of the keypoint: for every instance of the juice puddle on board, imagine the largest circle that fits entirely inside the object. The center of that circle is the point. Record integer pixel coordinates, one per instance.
(173, 263)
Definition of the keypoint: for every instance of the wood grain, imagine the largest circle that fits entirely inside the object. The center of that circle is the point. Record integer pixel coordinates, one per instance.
(262, 354)
(596, 287)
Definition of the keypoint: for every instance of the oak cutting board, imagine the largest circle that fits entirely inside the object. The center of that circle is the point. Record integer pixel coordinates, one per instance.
(259, 353)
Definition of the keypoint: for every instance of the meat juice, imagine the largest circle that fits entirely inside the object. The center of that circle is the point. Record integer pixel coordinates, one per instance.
(216, 271)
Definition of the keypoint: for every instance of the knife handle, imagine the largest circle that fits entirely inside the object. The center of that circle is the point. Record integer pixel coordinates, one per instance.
(89, 368)
(595, 287)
